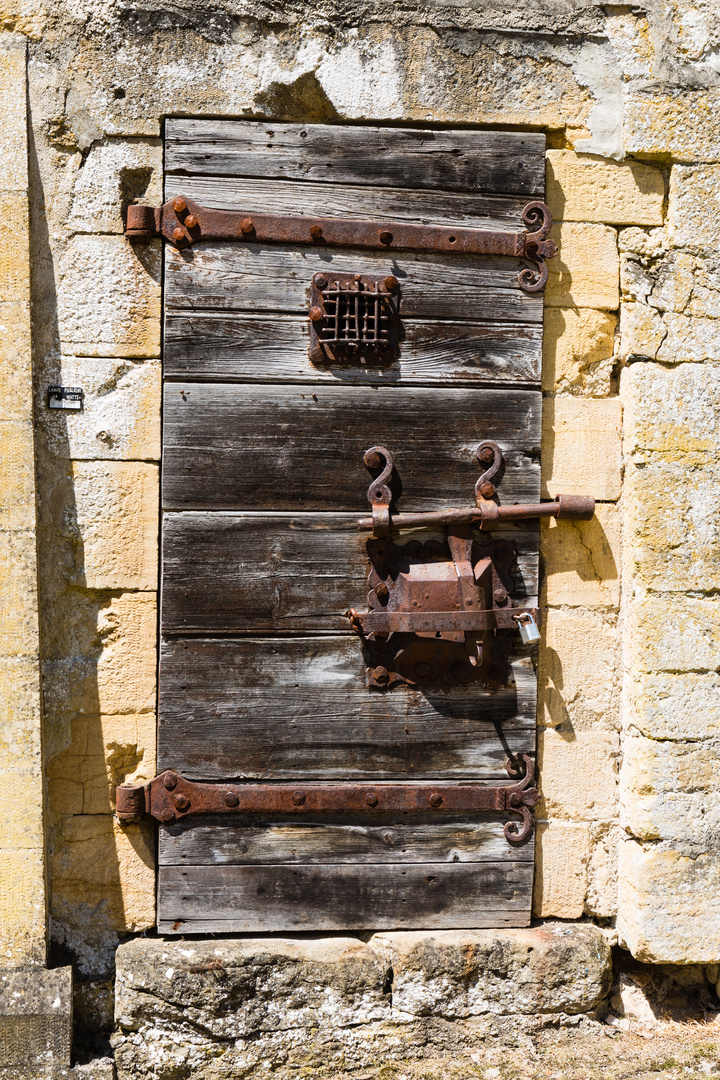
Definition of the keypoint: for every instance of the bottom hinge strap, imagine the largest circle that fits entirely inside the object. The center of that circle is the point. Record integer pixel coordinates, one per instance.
(170, 797)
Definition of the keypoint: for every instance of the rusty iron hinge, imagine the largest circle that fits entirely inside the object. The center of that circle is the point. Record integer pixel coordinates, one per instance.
(170, 798)
(442, 612)
(183, 222)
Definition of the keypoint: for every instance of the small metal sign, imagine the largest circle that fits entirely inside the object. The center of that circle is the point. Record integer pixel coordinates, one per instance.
(65, 397)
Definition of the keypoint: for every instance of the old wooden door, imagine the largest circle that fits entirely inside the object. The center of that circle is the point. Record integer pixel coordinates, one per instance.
(263, 482)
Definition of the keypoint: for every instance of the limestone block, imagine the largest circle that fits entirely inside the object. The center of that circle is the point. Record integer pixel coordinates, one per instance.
(21, 825)
(114, 173)
(22, 907)
(562, 853)
(581, 559)
(681, 124)
(674, 633)
(17, 475)
(578, 775)
(642, 332)
(96, 863)
(689, 340)
(677, 706)
(105, 751)
(581, 447)
(577, 671)
(20, 710)
(13, 109)
(118, 675)
(669, 903)
(673, 410)
(463, 973)
(116, 523)
(270, 984)
(35, 1017)
(671, 791)
(121, 411)
(108, 294)
(677, 549)
(674, 282)
(586, 271)
(692, 208)
(581, 187)
(14, 249)
(578, 345)
(16, 361)
(18, 593)
(602, 888)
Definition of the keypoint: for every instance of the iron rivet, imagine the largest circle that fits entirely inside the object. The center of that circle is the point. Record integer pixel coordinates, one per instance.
(500, 596)
(191, 221)
(182, 802)
(435, 799)
(487, 456)
(178, 234)
(321, 281)
(391, 282)
(170, 781)
(167, 816)
(371, 798)
(316, 314)
(422, 670)
(381, 590)
(386, 237)
(231, 798)
(246, 226)
(380, 674)
(179, 204)
(487, 490)
(316, 231)
(298, 798)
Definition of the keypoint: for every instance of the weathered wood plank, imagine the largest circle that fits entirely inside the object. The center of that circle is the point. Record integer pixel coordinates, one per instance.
(502, 162)
(230, 573)
(240, 841)
(469, 209)
(286, 707)
(274, 348)
(259, 278)
(248, 899)
(259, 447)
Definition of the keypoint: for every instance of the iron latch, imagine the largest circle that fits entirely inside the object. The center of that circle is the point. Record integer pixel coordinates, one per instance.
(170, 798)
(444, 612)
(183, 222)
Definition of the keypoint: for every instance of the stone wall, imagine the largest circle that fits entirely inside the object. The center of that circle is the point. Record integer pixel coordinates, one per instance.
(628, 676)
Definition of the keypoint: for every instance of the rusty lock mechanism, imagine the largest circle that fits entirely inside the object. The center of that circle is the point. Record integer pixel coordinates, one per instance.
(443, 612)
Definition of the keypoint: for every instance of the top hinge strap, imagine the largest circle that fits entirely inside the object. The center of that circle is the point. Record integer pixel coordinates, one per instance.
(183, 222)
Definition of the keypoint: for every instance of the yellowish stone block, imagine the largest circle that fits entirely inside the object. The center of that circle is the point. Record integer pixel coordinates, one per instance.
(586, 271)
(105, 751)
(671, 410)
(581, 447)
(692, 211)
(674, 634)
(18, 594)
(14, 248)
(578, 671)
(21, 826)
(16, 362)
(22, 907)
(109, 297)
(588, 188)
(97, 863)
(670, 706)
(17, 475)
(681, 124)
(642, 332)
(13, 105)
(582, 559)
(578, 345)
(578, 775)
(562, 853)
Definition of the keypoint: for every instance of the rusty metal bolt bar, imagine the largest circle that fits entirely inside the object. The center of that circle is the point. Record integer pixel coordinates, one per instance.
(489, 514)
(183, 222)
(170, 797)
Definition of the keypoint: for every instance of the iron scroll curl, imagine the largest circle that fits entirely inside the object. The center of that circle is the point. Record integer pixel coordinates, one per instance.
(538, 247)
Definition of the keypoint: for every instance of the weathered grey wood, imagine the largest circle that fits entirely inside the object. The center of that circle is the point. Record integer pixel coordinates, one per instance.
(258, 447)
(230, 573)
(502, 162)
(240, 841)
(249, 899)
(274, 348)
(299, 707)
(433, 207)
(258, 278)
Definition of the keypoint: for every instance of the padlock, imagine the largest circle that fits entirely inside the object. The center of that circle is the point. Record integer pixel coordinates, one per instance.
(528, 628)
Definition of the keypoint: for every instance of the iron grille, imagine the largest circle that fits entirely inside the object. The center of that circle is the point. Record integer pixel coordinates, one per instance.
(354, 317)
